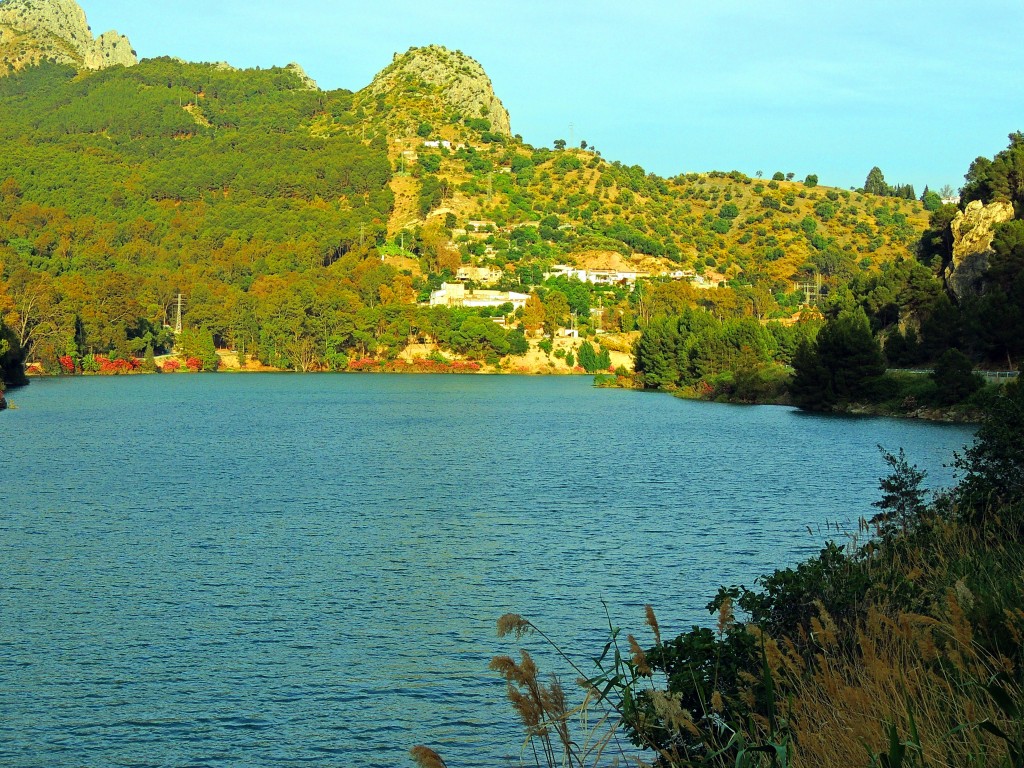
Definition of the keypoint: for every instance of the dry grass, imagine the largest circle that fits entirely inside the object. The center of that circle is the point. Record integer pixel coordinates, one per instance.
(921, 675)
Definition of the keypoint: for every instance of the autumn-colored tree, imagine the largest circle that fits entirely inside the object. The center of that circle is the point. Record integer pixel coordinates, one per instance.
(534, 314)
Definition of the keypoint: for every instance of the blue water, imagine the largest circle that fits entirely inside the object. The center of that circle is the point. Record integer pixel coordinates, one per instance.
(306, 570)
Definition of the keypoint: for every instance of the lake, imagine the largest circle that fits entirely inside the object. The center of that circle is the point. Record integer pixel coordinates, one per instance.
(277, 570)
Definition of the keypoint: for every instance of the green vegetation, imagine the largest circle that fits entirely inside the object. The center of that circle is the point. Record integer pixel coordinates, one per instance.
(738, 359)
(900, 316)
(875, 184)
(123, 188)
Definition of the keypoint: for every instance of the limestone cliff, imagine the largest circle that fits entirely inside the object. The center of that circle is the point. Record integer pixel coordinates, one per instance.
(434, 82)
(973, 232)
(37, 30)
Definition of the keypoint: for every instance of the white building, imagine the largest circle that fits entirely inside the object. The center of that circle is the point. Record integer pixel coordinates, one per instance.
(597, 276)
(456, 295)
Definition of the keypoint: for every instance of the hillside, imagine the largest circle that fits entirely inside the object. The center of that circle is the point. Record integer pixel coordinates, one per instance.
(302, 227)
(724, 223)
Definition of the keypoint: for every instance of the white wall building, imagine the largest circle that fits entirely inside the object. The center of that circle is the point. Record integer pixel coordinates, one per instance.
(456, 295)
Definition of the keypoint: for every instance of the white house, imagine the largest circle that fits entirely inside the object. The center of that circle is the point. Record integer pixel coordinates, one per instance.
(456, 295)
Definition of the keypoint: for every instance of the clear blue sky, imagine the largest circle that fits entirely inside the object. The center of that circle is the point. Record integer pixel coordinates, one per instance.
(917, 88)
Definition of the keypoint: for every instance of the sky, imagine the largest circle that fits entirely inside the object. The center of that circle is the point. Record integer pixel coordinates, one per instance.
(917, 88)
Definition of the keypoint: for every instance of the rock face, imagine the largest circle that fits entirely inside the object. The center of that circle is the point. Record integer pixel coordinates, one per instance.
(973, 232)
(299, 72)
(35, 30)
(459, 81)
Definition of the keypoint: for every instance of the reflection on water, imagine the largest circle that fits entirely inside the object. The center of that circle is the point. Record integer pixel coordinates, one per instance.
(306, 570)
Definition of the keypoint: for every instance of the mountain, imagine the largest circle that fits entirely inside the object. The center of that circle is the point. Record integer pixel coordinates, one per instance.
(436, 86)
(32, 31)
(305, 225)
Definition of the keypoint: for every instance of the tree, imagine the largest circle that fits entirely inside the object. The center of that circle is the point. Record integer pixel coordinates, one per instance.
(1001, 178)
(534, 314)
(12, 361)
(199, 344)
(875, 183)
(994, 465)
(778, 176)
(556, 309)
(559, 144)
(149, 360)
(931, 200)
(811, 180)
(517, 343)
(842, 365)
(811, 387)
(902, 501)
(588, 357)
(954, 377)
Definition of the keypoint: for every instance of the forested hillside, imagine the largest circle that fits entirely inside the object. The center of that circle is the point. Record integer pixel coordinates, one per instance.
(302, 227)
(913, 313)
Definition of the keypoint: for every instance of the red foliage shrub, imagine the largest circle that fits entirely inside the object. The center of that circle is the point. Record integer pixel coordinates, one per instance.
(363, 364)
(110, 367)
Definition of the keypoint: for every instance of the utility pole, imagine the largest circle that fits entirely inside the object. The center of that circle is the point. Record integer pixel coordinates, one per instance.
(177, 319)
(572, 134)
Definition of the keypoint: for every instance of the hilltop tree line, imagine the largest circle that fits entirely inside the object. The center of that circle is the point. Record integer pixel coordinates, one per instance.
(900, 317)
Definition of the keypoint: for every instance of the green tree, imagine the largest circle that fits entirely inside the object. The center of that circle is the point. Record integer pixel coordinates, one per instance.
(199, 344)
(1001, 178)
(588, 357)
(954, 377)
(149, 360)
(842, 365)
(875, 183)
(902, 503)
(994, 465)
(931, 200)
(811, 180)
(517, 343)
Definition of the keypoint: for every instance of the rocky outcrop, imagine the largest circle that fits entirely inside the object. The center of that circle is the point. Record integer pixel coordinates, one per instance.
(973, 232)
(308, 82)
(35, 30)
(456, 79)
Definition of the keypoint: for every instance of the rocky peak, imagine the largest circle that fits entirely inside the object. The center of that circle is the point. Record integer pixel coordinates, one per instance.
(308, 82)
(457, 80)
(973, 232)
(34, 30)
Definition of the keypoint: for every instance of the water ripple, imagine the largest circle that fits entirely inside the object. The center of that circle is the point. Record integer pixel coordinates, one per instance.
(285, 570)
